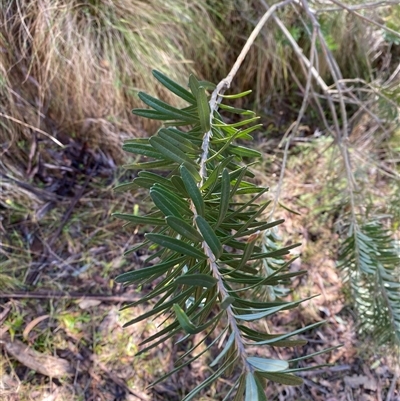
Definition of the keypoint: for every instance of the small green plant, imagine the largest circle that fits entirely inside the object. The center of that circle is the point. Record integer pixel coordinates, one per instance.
(217, 262)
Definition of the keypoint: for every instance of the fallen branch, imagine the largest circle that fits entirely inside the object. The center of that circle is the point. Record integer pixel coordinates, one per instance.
(44, 364)
(67, 295)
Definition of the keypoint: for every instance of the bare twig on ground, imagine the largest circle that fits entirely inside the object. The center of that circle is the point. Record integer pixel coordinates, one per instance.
(67, 295)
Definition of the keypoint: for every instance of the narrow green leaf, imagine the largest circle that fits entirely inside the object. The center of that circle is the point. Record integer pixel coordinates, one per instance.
(177, 182)
(219, 154)
(209, 236)
(259, 227)
(148, 165)
(173, 197)
(306, 368)
(184, 321)
(197, 280)
(193, 190)
(156, 178)
(178, 140)
(249, 190)
(267, 365)
(165, 204)
(211, 379)
(237, 95)
(176, 245)
(141, 182)
(203, 109)
(251, 388)
(163, 340)
(225, 127)
(244, 152)
(194, 85)
(250, 220)
(195, 136)
(183, 228)
(163, 306)
(258, 315)
(287, 335)
(187, 325)
(166, 109)
(212, 179)
(175, 324)
(148, 271)
(136, 247)
(323, 351)
(288, 209)
(227, 346)
(140, 149)
(193, 170)
(151, 114)
(225, 196)
(170, 151)
(248, 250)
(241, 388)
(134, 141)
(158, 290)
(231, 391)
(126, 186)
(192, 109)
(236, 110)
(282, 378)
(167, 329)
(204, 339)
(207, 85)
(174, 87)
(274, 254)
(257, 336)
(187, 362)
(139, 219)
(247, 131)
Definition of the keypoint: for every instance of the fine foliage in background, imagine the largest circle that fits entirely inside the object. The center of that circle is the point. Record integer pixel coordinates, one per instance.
(371, 262)
(216, 266)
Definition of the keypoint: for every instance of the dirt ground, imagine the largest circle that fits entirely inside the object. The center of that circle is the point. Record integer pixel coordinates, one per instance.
(60, 325)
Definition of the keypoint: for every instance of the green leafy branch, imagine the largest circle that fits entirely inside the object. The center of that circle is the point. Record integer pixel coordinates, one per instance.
(370, 261)
(216, 254)
(219, 266)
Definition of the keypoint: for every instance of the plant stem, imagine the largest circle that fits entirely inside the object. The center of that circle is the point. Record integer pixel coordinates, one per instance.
(214, 104)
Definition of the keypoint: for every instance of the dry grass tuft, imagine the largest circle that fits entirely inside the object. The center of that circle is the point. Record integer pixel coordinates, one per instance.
(72, 68)
(272, 68)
